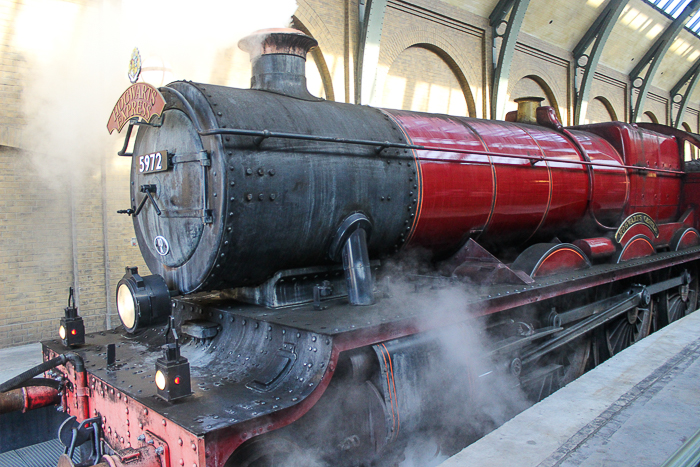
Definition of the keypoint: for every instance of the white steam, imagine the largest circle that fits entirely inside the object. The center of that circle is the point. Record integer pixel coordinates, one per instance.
(493, 395)
(78, 57)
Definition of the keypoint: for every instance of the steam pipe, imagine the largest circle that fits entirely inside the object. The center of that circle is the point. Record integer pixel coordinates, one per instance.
(28, 398)
(357, 270)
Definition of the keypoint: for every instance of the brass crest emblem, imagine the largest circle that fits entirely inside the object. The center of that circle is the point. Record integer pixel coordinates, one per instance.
(135, 66)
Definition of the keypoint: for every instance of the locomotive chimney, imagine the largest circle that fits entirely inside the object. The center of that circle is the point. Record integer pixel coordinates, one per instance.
(278, 57)
(527, 109)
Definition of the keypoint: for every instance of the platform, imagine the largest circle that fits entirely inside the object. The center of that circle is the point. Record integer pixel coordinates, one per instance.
(636, 409)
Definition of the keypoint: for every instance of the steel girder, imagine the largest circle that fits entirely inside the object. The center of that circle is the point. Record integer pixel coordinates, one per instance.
(371, 16)
(681, 92)
(586, 63)
(643, 73)
(502, 62)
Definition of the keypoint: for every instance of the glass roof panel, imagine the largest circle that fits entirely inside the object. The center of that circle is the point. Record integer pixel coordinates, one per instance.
(673, 9)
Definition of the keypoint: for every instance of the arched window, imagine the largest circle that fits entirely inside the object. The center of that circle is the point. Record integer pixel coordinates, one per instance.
(536, 87)
(649, 117)
(318, 77)
(690, 150)
(600, 110)
(424, 78)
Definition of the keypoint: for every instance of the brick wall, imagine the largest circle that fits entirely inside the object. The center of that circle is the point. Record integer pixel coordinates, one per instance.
(14, 73)
(36, 265)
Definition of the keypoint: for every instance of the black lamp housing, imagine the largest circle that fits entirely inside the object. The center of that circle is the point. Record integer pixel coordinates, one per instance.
(150, 297)
(72, 329)
(176, 370)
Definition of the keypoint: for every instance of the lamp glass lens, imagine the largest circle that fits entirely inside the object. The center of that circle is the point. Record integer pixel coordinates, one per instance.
(61, 332)
(160, 380)
(125, 306)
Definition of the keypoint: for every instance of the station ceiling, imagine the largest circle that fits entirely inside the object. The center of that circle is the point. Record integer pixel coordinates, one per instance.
(564, 23)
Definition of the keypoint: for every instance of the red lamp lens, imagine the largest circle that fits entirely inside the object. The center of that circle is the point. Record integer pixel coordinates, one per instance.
(73, 331)
(177, 380)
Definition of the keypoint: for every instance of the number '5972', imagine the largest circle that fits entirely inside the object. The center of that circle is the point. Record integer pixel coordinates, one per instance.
(152, 163)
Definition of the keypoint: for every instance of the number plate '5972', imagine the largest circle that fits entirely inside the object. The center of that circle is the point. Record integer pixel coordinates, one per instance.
(154, 162)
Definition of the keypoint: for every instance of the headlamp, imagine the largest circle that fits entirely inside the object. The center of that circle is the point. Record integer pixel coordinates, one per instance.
(142, 301)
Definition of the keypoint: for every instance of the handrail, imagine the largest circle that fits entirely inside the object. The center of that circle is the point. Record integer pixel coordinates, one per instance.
(262, 135)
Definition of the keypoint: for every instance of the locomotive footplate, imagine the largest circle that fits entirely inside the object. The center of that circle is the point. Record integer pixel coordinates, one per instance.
(255, 369)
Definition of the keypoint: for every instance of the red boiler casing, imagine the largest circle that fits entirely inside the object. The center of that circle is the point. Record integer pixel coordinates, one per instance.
(484, 192)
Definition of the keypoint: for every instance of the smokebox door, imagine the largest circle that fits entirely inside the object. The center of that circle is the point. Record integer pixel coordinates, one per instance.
(171, 237)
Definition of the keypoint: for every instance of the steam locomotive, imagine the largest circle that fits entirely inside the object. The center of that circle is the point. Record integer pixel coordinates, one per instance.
(302, 251)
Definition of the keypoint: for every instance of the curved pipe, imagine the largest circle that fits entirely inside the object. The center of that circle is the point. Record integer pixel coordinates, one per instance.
(18, 380)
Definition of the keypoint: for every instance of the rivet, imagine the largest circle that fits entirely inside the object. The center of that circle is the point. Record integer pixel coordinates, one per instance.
(230, 214)
(261, 197)
(230, 153)
(194, 447)
(219, 114)
(214, 195)
(145, 411)
(249, 171)
(272, 196)
(233, 183)
(261, 171)
(228, 138)
(249, 196)
(163, 422)
(271, 172)
(179, 441)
